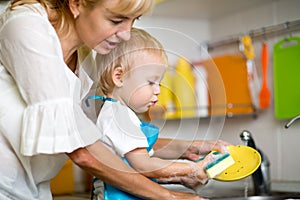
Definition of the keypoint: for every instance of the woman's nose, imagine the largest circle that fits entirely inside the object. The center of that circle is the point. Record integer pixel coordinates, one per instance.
(124, 35)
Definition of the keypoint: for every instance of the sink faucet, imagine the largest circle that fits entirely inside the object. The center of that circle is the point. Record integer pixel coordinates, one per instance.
(261, 177)
(292, 121)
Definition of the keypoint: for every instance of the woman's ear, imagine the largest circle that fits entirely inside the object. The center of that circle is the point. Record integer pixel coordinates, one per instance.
(117, 76)
(74, 7)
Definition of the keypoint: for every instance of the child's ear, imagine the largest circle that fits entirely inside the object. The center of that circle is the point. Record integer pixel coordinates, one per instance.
(117, 76)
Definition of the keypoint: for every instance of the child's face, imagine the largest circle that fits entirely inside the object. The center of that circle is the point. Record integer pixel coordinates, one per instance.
(141, 85)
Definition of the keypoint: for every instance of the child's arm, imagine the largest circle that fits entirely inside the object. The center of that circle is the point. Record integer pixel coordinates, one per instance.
(192, 150)
(154, 167)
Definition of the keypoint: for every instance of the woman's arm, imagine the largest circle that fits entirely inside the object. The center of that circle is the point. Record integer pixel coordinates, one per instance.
(191, 150)
(109, 168)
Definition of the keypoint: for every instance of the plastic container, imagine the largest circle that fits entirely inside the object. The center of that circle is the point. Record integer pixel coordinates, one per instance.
(166, 96)
(184, 90)
(202, 100)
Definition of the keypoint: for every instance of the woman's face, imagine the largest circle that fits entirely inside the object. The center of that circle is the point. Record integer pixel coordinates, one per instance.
(101, 29)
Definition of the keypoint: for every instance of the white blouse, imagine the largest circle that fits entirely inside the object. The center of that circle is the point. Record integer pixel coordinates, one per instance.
(40, 104)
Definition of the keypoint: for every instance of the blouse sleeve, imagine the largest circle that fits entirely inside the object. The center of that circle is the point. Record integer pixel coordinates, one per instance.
(52, 121)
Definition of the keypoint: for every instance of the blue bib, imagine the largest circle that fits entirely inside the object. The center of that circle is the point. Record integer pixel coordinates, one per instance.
(111, 192)
(151, 132)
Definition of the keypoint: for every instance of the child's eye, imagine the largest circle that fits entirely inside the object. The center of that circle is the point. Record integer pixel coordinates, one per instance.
(151, 82)
(154, 83)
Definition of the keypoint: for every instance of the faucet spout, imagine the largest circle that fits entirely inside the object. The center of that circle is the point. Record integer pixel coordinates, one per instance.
(292, 121)
(261, 177)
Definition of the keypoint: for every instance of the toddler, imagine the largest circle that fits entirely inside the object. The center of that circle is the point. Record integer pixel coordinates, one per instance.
(130, 81)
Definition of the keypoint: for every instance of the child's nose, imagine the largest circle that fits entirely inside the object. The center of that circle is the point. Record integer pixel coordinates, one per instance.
(156, 89)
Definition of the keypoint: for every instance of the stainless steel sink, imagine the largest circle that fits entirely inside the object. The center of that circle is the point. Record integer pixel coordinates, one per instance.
(280, 197)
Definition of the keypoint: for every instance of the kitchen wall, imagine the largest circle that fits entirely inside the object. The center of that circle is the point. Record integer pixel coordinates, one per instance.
(184, 36)
(3, 5)
(270, 135)
(178, 36)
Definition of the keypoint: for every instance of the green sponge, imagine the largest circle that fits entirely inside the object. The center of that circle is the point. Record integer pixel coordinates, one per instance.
(221, 161)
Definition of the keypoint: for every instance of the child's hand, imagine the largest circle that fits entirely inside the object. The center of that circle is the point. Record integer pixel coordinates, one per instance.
(198, 169)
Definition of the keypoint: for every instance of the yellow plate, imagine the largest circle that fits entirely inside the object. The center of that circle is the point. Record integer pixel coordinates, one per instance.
(247, 160)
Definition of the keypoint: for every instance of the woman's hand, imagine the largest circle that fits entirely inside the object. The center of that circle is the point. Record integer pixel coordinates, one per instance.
(184, 149)
(200, 148)
(186, 196)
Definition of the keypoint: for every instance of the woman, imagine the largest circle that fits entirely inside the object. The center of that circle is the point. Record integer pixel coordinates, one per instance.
(43, 80)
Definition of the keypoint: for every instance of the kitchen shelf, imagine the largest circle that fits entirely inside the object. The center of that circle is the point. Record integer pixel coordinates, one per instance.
(160, 113)
(259, 34)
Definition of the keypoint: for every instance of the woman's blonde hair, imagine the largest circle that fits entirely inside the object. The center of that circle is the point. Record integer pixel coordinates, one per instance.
(124, 55)
(64, 16)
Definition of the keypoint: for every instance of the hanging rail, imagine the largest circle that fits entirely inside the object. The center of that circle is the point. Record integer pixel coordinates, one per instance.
(261, 33)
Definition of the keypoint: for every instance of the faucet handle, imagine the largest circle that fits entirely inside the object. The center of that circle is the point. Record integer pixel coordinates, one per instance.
(245, 135)
(247, 138)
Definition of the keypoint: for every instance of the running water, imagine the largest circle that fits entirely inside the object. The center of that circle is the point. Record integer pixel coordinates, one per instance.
(246, 184)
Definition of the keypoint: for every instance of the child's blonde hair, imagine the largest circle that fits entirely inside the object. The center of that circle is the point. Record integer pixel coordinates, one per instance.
(123, 56)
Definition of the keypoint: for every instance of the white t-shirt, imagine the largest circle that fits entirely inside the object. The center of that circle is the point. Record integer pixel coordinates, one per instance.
(40, 104)
(120, 127)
